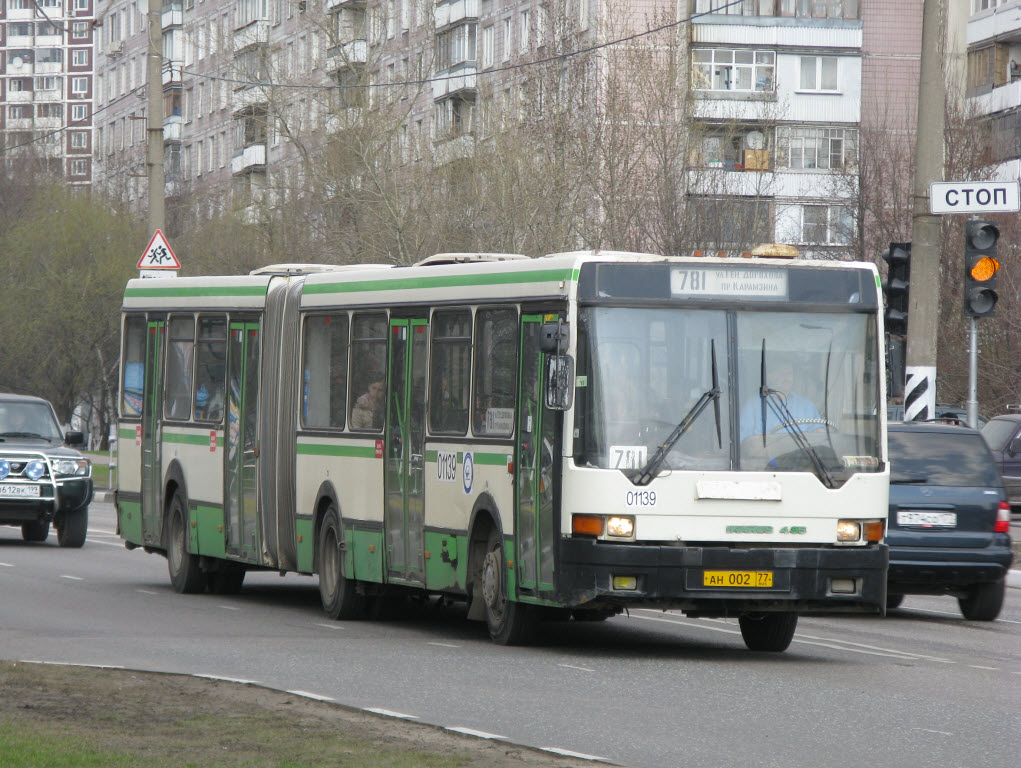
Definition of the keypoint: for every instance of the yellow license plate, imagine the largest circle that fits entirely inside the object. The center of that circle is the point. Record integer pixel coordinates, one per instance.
(740, 579)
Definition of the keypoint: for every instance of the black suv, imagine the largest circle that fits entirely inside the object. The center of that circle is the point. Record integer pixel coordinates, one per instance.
(949, 522)
(42, 480)
(1003, 434)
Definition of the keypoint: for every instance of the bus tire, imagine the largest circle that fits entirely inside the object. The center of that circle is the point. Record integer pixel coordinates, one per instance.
(509, 622)
(72, 528)
(338, 593)
(893, 600)
(35, 531)
(186, 576)
(771, 632)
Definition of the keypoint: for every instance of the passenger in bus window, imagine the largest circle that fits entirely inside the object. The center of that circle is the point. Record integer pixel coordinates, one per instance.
(780, 378)
(209, 399)
(368, 409)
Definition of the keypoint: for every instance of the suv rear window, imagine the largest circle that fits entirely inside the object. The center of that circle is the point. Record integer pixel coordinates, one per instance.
(942, 458)
(998, 431)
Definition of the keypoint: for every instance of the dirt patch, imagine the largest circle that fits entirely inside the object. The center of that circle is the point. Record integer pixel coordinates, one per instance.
(72, 716)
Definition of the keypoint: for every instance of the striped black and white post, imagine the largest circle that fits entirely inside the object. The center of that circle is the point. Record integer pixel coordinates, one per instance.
(920, 393)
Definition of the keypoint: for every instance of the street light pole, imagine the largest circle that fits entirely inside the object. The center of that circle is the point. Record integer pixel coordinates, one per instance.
(154, 125)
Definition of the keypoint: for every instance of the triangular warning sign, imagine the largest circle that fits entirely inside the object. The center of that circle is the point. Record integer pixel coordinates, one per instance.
(159, 254)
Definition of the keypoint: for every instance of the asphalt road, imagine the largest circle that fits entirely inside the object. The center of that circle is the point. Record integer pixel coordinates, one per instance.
(921, 687)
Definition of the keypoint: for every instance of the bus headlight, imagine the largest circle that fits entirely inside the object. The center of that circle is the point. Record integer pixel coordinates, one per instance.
(623, 527)
(848, 531)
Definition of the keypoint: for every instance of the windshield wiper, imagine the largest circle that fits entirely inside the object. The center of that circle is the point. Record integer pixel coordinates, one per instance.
(23, 434)
(778, 403)
(645, 475)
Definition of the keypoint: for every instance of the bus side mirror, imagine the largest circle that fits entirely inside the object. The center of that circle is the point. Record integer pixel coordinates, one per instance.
(559, 382)
(553, 337)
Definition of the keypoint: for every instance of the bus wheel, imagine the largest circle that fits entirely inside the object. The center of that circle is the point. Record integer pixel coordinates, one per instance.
(338, 593)
(185, 575)
(72, 528)
(510, 623)
(768, 631)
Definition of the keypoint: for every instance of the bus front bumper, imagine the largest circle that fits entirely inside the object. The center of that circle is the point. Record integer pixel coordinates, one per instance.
(804, 580)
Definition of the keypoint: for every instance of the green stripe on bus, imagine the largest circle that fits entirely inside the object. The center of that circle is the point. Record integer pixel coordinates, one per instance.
(492, 459)
(127, 434)
(447, 281)
(195, 291)
(186, 438)
(356, 451)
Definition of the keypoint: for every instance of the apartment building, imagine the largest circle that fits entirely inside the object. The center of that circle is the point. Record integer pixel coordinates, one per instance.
(46, 87)
(781, 88)
(994, 80)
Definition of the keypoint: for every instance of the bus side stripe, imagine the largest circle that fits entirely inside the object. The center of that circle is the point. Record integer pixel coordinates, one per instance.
(356, 451)
(410, 283)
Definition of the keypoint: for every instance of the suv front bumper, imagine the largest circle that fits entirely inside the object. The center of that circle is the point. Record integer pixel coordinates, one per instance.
(66, 495)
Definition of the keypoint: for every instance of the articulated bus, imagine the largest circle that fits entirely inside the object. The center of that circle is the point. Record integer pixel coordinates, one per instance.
(552, 438)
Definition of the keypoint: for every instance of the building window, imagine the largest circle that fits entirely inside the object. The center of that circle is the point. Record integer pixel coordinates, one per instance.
(731, 222)
(79, 58)
(817, 9)
(818, 73)
(81, 5)
(50, 110)
(79, 85)
(80, 30)
(488, 45)
(79, 139)
(19, 111)
(456, 46)
(17, 84)
(48, 83)
(453, 116)
(526, 23)
(49, 55)
(722, 69)
(79, 112)
(734, 147)
(815, 224)
(802, 147)
(506, 39)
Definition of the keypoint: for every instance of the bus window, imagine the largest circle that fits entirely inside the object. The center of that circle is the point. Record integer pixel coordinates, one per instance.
(496, 372)
(450, 373)
(368, 371)
(177, 404)
(133, 368)
(210, 359)
(325, 370)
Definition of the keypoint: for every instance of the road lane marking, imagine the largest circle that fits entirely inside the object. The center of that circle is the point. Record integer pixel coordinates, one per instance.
(107, 543)
(327, 626)
(571, 666)
(391, 713)
(315, 696)
(147, 592)
(7, 565)
(979, 666)
(444, 645)
(473, 732)
(229, 607)
(72, 578)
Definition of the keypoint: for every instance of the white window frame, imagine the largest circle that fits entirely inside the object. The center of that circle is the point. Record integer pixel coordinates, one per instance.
(791, 224)
(507, 34)
(487, 55)
(79, 166)
(818, 65)
(525, 29)
(79, 139)
(79, 57)
(729, 67)
(816, 147)
(79, 85)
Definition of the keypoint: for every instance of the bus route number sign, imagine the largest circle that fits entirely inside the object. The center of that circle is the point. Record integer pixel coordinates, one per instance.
(728, 282)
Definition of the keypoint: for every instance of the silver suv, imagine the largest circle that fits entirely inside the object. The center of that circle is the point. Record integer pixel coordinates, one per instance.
(42, 479)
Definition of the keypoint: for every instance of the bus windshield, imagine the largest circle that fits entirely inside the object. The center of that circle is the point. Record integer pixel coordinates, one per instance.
(798, 390)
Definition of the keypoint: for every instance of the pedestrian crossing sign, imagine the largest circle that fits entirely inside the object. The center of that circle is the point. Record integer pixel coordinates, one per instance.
(159, 254)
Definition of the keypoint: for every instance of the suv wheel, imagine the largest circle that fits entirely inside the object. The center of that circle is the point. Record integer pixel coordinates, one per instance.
(983, 601)
(35, 531)
(71, 530)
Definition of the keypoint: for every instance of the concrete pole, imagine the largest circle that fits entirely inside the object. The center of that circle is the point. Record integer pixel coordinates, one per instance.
(154, 125)
(923, 298)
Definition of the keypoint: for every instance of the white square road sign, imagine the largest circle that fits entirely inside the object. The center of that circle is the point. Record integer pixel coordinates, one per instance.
(158, 254)
(974, 197)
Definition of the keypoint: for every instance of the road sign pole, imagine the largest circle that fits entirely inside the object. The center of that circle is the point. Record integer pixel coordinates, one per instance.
(973, 375)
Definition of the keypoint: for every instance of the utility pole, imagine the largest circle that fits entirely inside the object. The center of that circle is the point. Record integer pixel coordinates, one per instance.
(923, 307)
(154, 126)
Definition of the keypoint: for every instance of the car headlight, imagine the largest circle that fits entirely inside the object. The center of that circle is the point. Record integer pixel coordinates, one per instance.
(71, 467)
(35, 469)
(5, 468)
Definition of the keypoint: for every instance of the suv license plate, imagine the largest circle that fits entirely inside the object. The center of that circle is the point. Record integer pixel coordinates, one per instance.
(739, 579)
(17, 489)
(927, 519)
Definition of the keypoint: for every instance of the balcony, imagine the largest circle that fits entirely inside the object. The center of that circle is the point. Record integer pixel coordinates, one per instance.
(454, 11)
(251, 158)
(172, 128)
(334, 5)
(172, 73)
(346, 54)
(19, 97)
(19, 124)
(173, 16)
(458, 78)
(246, 98)
(253, 33)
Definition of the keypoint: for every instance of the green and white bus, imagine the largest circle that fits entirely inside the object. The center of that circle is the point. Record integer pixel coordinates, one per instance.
(544, 438)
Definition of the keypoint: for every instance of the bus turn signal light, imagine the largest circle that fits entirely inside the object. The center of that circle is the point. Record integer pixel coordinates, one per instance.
(587, 525)
(874, 530)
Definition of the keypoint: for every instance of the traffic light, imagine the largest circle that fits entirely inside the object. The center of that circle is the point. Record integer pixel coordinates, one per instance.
(898, 257)
(980, 268)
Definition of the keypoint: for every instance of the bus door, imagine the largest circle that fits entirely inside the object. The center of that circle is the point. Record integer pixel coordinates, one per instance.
(534, 529)
(152, 411)
(242, 454)
(404, 516)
